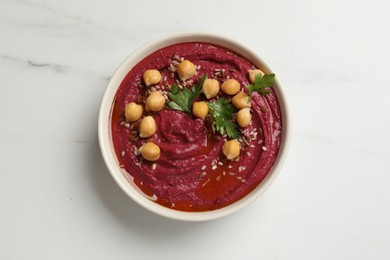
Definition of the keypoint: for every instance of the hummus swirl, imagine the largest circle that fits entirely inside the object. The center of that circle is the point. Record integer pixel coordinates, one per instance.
(192, 173)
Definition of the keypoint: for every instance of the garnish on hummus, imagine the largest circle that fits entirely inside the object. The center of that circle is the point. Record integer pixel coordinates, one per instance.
(195, 126)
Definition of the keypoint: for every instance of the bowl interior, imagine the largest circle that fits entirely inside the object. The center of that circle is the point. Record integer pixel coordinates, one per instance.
(125, 181)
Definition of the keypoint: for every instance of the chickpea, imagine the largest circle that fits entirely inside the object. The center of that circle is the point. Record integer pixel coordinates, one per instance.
(155, 101)
(231, 149)
(200, 109)
(241, 100)
(253, 73)
(150, 151)
(244, 117)
(185, 70)
(133, 112)
(231, 86)
(147, 127)
(152, 77)
(210, 88)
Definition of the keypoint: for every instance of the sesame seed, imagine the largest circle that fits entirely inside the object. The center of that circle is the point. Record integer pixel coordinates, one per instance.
(239, 178)
(203, 174)
(122, 123)
(230, 166)
(264, 148)
(242, 180)
(223, 173)
(218, 178)
(248, 153)
(220, 163)
(231, 173)
(123, 153)
(204, 167)
(260, 141)
(165, 78)
(127, 125)
(252, 146)
(153, 89)
(214, 167)
(260, 131)
(154, 166)
(241, 168)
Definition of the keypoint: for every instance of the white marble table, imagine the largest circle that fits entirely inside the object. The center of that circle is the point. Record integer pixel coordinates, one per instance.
(330, 201)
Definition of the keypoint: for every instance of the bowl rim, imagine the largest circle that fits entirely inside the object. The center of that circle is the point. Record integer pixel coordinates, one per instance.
(104, 134)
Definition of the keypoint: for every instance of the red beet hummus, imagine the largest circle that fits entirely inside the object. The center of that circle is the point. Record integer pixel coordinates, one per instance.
(192, 173)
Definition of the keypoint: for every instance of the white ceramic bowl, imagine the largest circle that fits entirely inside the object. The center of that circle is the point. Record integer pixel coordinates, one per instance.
(106, 144)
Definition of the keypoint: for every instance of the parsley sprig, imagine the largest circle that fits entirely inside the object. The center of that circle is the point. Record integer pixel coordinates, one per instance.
(182, 100)
(262, 82)
(221, 112)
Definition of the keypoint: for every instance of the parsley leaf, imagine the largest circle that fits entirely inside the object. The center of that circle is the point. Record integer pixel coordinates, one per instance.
(174, 89)
(221, 111)
(182, 100)
(261, 83)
